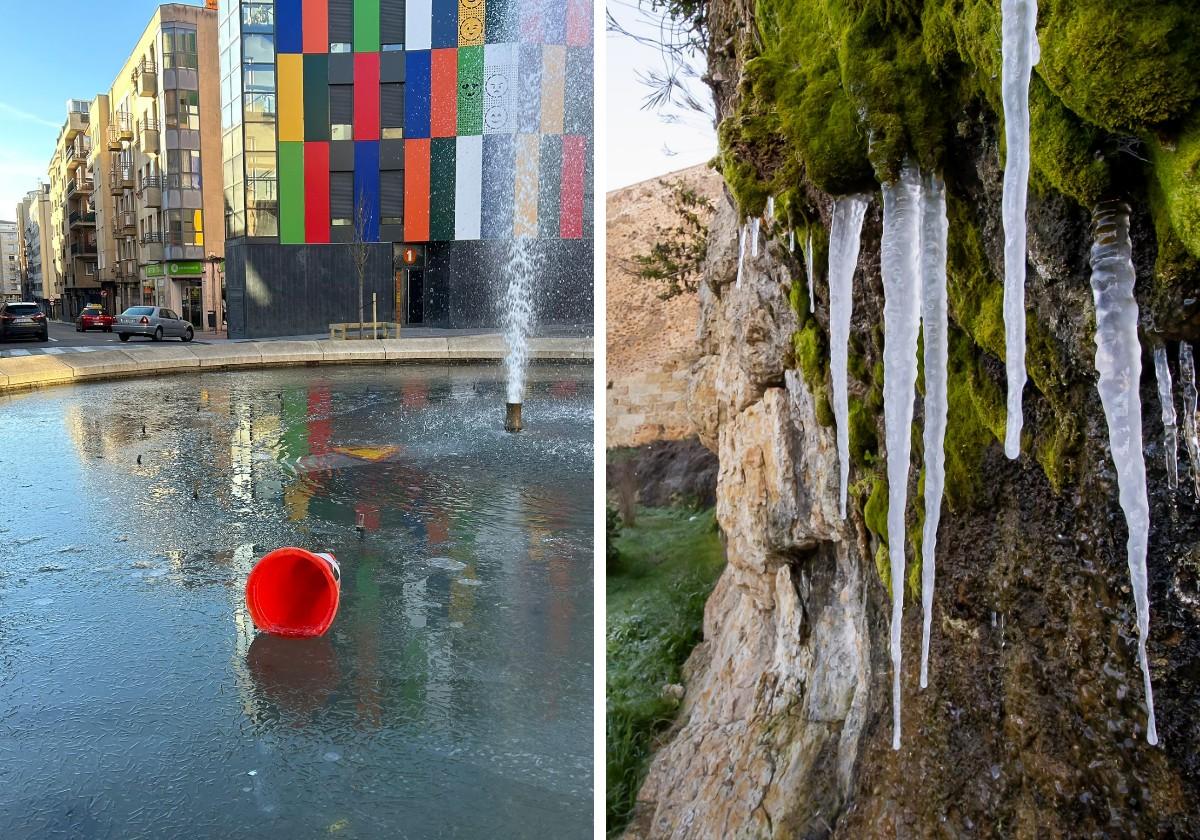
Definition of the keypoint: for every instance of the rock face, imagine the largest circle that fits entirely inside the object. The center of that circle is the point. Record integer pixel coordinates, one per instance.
(1033, 723)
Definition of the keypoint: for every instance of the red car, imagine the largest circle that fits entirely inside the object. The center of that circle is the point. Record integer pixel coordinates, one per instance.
(93, 318)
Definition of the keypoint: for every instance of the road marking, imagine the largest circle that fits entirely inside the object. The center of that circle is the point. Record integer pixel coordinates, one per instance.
(55, 351)
(18, 352)
(54, 339)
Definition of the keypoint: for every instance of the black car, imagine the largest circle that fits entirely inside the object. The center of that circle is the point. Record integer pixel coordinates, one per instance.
(22, 320)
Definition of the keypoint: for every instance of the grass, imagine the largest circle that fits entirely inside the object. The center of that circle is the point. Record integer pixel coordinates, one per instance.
(666, 566)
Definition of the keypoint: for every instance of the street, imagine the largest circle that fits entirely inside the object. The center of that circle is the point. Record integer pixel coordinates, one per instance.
(63, 336)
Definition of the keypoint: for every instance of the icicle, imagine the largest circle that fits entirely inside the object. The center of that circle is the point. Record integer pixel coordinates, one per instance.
(792, 241)
(1187, 374)
(808, 267)
(1019, 52)
(844, 233)
(934, 228)
(1166, 401)
(770, 209)
(754, 223)
(1119, 363)
(741, 255)
(901, 318)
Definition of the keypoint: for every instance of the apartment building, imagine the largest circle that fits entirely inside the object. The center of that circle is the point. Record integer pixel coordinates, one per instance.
(435, 132)
(156, 166)
(72, 217)
(10, 265)
(37, 263)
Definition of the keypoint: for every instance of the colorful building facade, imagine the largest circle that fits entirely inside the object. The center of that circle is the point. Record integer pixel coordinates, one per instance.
(435, 130)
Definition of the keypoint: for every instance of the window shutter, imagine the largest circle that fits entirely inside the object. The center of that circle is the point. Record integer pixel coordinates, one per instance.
(341, 195)
(341, 104)
(341, 21)
(391, 195)
(391, 21)
(391, 106)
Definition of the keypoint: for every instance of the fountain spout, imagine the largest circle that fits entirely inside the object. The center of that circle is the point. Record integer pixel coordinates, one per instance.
(512, 417)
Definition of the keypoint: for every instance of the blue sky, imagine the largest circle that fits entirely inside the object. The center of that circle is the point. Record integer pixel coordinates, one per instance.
(54, 50)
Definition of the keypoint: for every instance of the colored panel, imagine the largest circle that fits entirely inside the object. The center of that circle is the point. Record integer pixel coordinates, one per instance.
(549, 180)
(441, 188)
(291, 193)
(468, 185)
(316, 192)
(470, 23)
(445, 24)
(529, 102)
(525, 217)
(416, 93)
(291, 97)
(470, 90)
(366, 26)
(499, 172)
(418, 25)
(577, 110)
(500, 21)
(554, 69)
(579, 23)
(316, 26)
(554, 23)
(500, 88)
(530, 16)
(316, 97)
(574, 153)
(443, 106)
(416, 190)
(366, 188)
(366, 96)
(289, 27)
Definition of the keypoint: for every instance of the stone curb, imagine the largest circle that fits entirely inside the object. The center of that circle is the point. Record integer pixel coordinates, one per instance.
(22, 373)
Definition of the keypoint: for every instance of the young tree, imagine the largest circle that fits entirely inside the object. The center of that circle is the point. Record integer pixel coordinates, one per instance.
(677, 255)
(360, 249)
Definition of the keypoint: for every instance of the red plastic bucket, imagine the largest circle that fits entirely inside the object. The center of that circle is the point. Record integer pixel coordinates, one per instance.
(293, 592)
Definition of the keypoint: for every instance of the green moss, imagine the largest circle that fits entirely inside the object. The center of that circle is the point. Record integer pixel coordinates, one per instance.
(1065, 152)
(875, 510)
(1177, 173)
(974, 420)
(798, 298)
(883, 567)
(864, 442)
(1121, 64)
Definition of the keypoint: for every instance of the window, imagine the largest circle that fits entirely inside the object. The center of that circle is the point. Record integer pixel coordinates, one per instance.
(258, 49)
(391, 111)
(391, 23)
(392, 48)
(341, 198)
(339, 47)
(258, 14)
(183, 109)
(391, 197)
(179, 48)
(341, 111)
(341, 24)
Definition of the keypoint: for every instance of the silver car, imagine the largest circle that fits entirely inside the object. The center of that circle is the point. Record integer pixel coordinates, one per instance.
(153, 321)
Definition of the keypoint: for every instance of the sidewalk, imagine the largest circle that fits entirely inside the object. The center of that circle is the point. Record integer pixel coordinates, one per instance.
(66, 365)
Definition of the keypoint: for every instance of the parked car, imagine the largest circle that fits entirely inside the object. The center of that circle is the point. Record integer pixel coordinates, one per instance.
(23, 320)
(93, 317)
(153, 321)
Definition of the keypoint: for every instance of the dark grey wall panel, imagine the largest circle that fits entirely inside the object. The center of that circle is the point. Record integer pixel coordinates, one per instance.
(459, 295)
(341, 68)
(275, 290)
(391, 154)
(341, 156)
(391, 67)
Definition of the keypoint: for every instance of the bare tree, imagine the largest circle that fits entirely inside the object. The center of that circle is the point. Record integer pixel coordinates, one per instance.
(360, 251)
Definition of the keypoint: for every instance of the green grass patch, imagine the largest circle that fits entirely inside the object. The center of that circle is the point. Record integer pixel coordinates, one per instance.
(666, 566)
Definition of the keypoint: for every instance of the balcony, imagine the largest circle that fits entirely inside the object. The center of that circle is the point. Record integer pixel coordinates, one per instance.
(128, 270)
(78, 219)
(152, 247)
(151, 191)
(145, 79)
(128, 222)
(114, 139)
(83, 249)
(120, 179)
(148, 131)
(77, 123)
(123, 123)
(84, 186)
(76, 158)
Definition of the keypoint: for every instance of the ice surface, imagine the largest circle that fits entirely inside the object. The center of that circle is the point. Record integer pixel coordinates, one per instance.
(901, 265)
(1187, 375)
(844, 238)
(808, 267)
(741, 255)
(934, 230)
(1119, 365)
(1019, 52)
(754, 226)
(1166, 401)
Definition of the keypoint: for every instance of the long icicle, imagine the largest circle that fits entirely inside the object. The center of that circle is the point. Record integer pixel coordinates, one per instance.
(900, 264)
(845, 231)
(754, 228)
(1166, 400)
(1187, 375)
(1019, 51)
(1119, 365)
(741, 255)
(934, 230)
(808, 267)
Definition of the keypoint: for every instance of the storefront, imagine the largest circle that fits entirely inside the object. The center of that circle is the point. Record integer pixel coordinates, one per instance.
(185, 286)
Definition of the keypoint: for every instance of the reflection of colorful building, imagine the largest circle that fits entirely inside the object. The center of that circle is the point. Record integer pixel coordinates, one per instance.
(407, 125)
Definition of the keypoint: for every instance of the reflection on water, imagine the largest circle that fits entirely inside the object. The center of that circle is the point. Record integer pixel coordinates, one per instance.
(452, 696)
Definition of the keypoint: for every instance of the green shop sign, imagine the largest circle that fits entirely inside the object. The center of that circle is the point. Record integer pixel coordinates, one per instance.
(176, 269)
